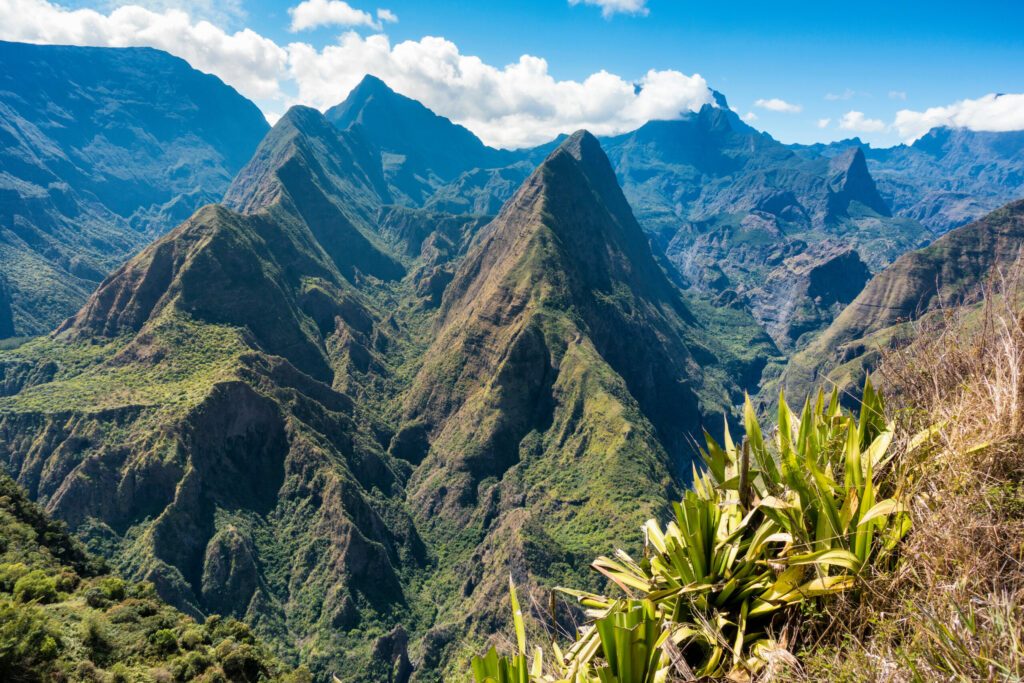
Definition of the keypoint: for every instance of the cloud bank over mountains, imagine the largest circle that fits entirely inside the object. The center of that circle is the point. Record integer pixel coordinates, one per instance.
(514, 105)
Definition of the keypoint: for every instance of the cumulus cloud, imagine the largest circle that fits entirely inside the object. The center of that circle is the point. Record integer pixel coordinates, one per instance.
(516, 105)
(386, 16)
(248, 61)
(857, 121)
(611, 7)
(315, 13)
(991, 113)
(749, 117)
(823, 123)
(775, 104)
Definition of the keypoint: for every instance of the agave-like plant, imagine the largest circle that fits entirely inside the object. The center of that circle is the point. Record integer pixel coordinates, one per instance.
(765, 527)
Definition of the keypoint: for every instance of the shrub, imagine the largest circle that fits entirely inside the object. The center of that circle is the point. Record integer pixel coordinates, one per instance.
(113, 588)
(242, 663)
(9, 574)
(67, 581)
(190, 665)
(194, 638)
(36, 586)
(26, 642)
(164, 641)
(767, 527)
(96, 598)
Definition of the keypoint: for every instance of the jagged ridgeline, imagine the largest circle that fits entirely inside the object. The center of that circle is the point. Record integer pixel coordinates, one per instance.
(345, 421)
(791, 237)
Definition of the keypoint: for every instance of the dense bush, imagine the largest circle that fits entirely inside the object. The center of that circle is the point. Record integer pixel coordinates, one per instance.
(26, 642)
(35, 586)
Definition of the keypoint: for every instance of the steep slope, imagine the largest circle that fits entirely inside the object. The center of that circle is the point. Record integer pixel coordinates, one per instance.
(566, 375)
(100, 149)
(421, 150)
(946, 178)
(329, 178)
(949, 272)
(730, 205)
(66, 617)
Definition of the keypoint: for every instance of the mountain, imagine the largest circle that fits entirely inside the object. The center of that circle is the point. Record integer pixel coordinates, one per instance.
(100, 150)
(732, 207)
(566, 375)
(421, 150)
(67, 617)
(265, 415)
(949, 272)
(946, 178)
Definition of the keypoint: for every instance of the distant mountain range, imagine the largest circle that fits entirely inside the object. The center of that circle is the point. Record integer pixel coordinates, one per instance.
(389, 366)
(100, 151)
(946, 178)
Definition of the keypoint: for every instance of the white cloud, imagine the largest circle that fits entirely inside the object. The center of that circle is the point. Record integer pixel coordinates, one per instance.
(386, 16)
(991, 113)
(775, 104)
(823, 123)
(314, 13)
(857, 121)
(248, 61)
(847, 94)
(897, 94)
(611, 7)
(515, 105)
(750, 117)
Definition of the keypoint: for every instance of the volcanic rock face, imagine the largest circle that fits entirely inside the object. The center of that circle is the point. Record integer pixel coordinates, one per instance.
(807, 291)
(949, 272)
(100, 150)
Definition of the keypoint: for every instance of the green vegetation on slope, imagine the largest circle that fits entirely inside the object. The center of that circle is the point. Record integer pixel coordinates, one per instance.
(64, 616)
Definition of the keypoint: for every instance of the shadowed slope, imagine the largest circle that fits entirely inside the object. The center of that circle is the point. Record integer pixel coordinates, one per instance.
(421, 150)
(948, 272)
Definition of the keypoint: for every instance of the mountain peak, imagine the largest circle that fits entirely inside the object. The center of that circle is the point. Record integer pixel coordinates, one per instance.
(423, 149)
(582, 144)
(852, 181)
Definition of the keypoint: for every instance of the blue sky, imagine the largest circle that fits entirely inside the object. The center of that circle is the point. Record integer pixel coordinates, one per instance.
(791, 64)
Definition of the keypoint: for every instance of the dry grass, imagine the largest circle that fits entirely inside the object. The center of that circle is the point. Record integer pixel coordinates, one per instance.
(954, 610)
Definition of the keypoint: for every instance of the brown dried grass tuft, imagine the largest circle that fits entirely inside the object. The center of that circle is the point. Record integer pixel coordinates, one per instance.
(954, 610)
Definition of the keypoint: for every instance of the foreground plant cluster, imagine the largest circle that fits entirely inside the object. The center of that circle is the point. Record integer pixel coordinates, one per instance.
(769, 527)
